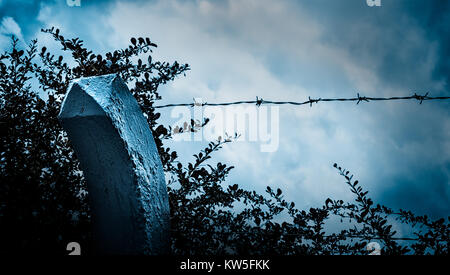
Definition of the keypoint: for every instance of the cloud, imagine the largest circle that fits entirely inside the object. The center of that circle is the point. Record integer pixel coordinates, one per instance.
(434, 17)
(8, 27)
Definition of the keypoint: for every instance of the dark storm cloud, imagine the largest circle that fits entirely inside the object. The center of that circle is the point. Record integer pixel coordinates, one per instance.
(434, 17)
(400, 40)
(434, 202)
(390, 37)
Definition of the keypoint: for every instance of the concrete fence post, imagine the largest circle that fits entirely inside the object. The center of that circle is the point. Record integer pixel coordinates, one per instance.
(120, 161)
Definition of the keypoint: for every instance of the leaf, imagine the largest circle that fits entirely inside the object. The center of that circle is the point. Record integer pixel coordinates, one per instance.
(279, 192)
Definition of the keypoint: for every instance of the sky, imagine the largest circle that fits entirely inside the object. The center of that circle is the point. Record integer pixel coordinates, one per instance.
(288, 51)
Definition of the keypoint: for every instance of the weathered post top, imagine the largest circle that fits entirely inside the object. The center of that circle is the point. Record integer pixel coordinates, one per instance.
(120, 161)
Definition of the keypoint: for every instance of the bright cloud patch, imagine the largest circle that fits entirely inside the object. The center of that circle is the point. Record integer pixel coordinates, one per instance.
(9, 27)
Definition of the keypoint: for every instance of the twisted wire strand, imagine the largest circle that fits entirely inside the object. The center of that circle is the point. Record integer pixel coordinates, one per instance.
(310, 101)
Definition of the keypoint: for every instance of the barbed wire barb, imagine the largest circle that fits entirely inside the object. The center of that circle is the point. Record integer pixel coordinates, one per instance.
(361, 98)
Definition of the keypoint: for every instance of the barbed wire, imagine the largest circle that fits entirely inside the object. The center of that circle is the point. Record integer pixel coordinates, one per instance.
(310, 101)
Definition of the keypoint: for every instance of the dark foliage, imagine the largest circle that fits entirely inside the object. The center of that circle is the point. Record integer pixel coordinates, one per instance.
(43, 197)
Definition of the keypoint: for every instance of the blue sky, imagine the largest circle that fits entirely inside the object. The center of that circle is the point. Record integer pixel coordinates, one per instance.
(289, 50)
